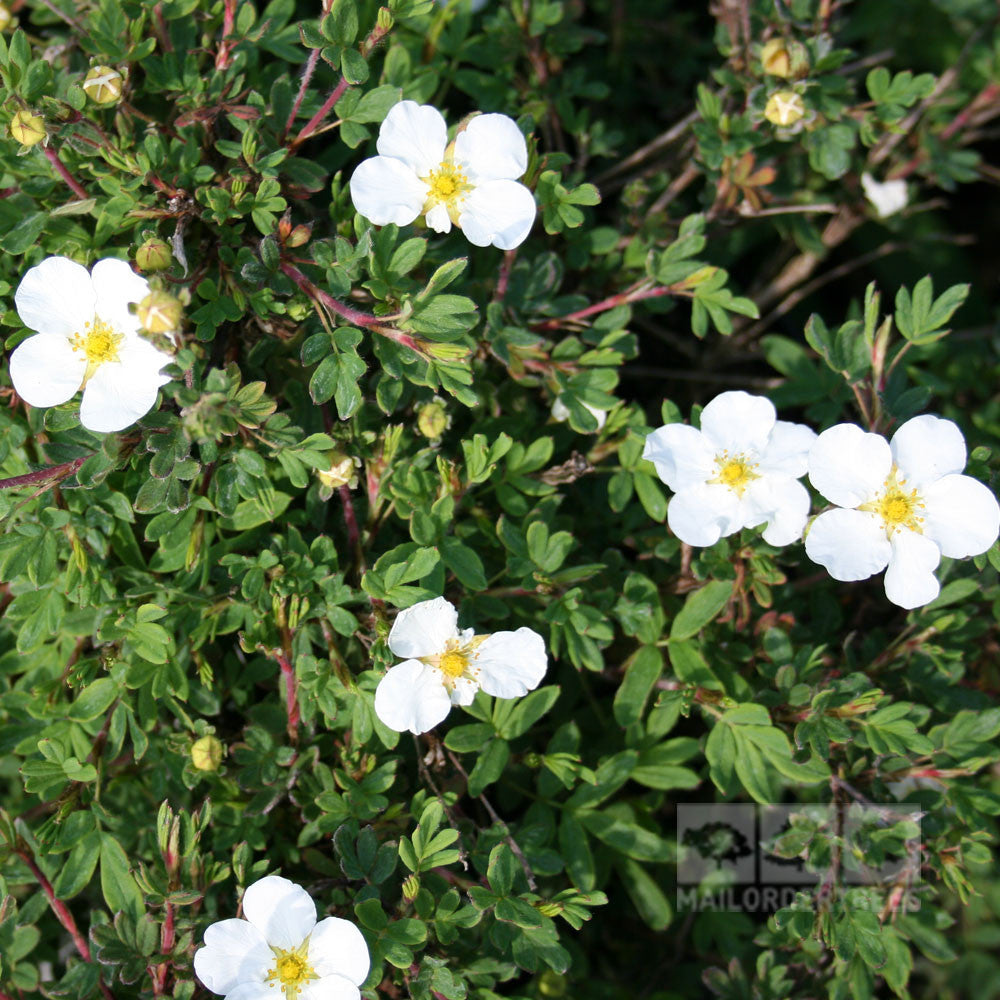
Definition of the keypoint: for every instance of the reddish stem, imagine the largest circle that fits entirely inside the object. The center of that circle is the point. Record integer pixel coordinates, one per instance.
(307, 73)
(226, 47)
(55, 473)
(60, 168)
(988, 94)
(317, 119)
(504, 276)
(622, 298)
(291, 696)
(167, 936)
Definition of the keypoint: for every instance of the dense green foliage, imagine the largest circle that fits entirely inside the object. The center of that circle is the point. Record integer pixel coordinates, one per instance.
(190, 586)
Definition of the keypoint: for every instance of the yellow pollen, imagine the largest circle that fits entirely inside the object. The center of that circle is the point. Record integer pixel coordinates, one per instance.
(453, 664)
(292, 969)
(736, 473)
(448, 186)
(896, 506)
(99, 343)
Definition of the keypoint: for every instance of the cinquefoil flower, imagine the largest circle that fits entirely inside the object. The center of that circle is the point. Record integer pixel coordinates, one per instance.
(886, 197)
(902, 505)
(280, 952)
(739, 471)
(87, 339)
(470, 183)
(445, 666)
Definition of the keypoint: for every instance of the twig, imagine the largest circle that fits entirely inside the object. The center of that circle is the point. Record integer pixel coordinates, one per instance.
(494, 816)
(317, 119)
(55, 473)
(506, 266)
(635, 294)
(307, 73)
(60, 168)
(660, 142)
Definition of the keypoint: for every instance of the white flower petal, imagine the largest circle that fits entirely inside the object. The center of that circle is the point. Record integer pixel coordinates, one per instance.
(850, 544)
(492, 148)
(235, 952)
(281, 910)
(56, 296)
(463, 691)
(703, 513)
(787, 449)
(887, 197)
(327, 988)
(737, 422)
(338, 948)
(411, 698)
(910, 580)
(961, 515)
(681, 454)
(116, 286)
(414, 133)
(46, 371)
(783, 503)
(254, 991)
(927, 448)
(497, 212)
(438, 218)
(120, 392)
(511, 664)
(387, 190)
(849, 466)
(423, 630)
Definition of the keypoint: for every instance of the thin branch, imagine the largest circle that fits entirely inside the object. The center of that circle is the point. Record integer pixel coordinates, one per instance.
(46, 477)
(307, 73)
(222, 57)
(60, 168)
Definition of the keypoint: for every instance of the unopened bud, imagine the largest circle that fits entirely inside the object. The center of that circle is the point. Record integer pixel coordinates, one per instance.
(103, 84)
(159, 312)
(775, 59)
(784, 108)
(27, 129)
(154, 255)
(384, 19)
(433, 419)
(5, 17)
(343, 471)
(552, 984)
(298, 236)
(206, 754)
(533, 760)
(411, 886)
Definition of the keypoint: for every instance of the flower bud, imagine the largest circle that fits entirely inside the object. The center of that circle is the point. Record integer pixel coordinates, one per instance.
(298, 236)
(433, 419)
(384, 19)
(411, 886)
(784, 108)
(5, 17)
(342, 471)
(775, 59)
(27, 129)
(159, 312)
(552, 984)
(154, 255)
(103, 84)
(206, 754)
(533, 760)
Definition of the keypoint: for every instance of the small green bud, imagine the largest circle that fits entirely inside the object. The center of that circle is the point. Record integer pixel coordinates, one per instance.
(433, 419)
(5, 17)
(103, 84)
(154, 255)
(533, 760)
(206, 754)
(27, 129)
(551, 984)
(411, 886)
(384, 19)
(159, 312)
(343, 471)
(784, 108)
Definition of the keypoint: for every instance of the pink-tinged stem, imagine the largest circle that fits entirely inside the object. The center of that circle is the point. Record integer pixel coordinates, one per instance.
(622, 298)
(225, 46)
(504, 276)
(60, 168)
(167, 936)
(54, 473)
(291, 696)
(317, 119)
(350, 519)
(307, 73)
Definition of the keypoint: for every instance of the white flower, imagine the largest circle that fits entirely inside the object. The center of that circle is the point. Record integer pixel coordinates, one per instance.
(560, 412)
(901, 504)
(471, 182)
(86, 338)
(444, 666)
(887, 197)
(739, 471)
(280, 951)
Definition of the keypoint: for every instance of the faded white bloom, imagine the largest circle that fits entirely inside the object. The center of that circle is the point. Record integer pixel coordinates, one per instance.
(901, 506)
(739, 471)
(444, 666)
(470, 183)
(560, 412)
(87, 339)
(280, 952)
(887, 197)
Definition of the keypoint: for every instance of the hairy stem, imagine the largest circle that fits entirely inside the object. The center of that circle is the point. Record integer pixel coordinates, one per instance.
(60, 168)
(222, 57)
(47, 477)
(307, 73)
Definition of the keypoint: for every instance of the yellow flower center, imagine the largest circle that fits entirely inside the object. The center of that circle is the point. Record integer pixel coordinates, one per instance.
(898, 507)
(99, 343)
(448, 186)
(292, 969)
(453, 664)
(736, 472)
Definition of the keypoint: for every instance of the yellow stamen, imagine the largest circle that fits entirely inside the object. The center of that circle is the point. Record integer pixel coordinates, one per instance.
(897, 506)
(292, 969)
(448, 185)
(99, 343)
(453, 664)
(737, 472)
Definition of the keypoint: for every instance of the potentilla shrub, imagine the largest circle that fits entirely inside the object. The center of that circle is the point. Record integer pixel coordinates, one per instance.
(493, 502)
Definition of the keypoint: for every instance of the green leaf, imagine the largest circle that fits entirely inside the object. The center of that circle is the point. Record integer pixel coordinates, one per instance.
(700, 607)
(643, 671)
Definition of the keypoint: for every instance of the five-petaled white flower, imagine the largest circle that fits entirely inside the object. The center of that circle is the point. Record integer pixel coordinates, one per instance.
(471, 182)
(901, 504)
(86, 338)
(280, 952)
(886, 197)
(445, 666)
(740, 470)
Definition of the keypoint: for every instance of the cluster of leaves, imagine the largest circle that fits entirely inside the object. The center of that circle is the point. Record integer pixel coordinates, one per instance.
(194, 623)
